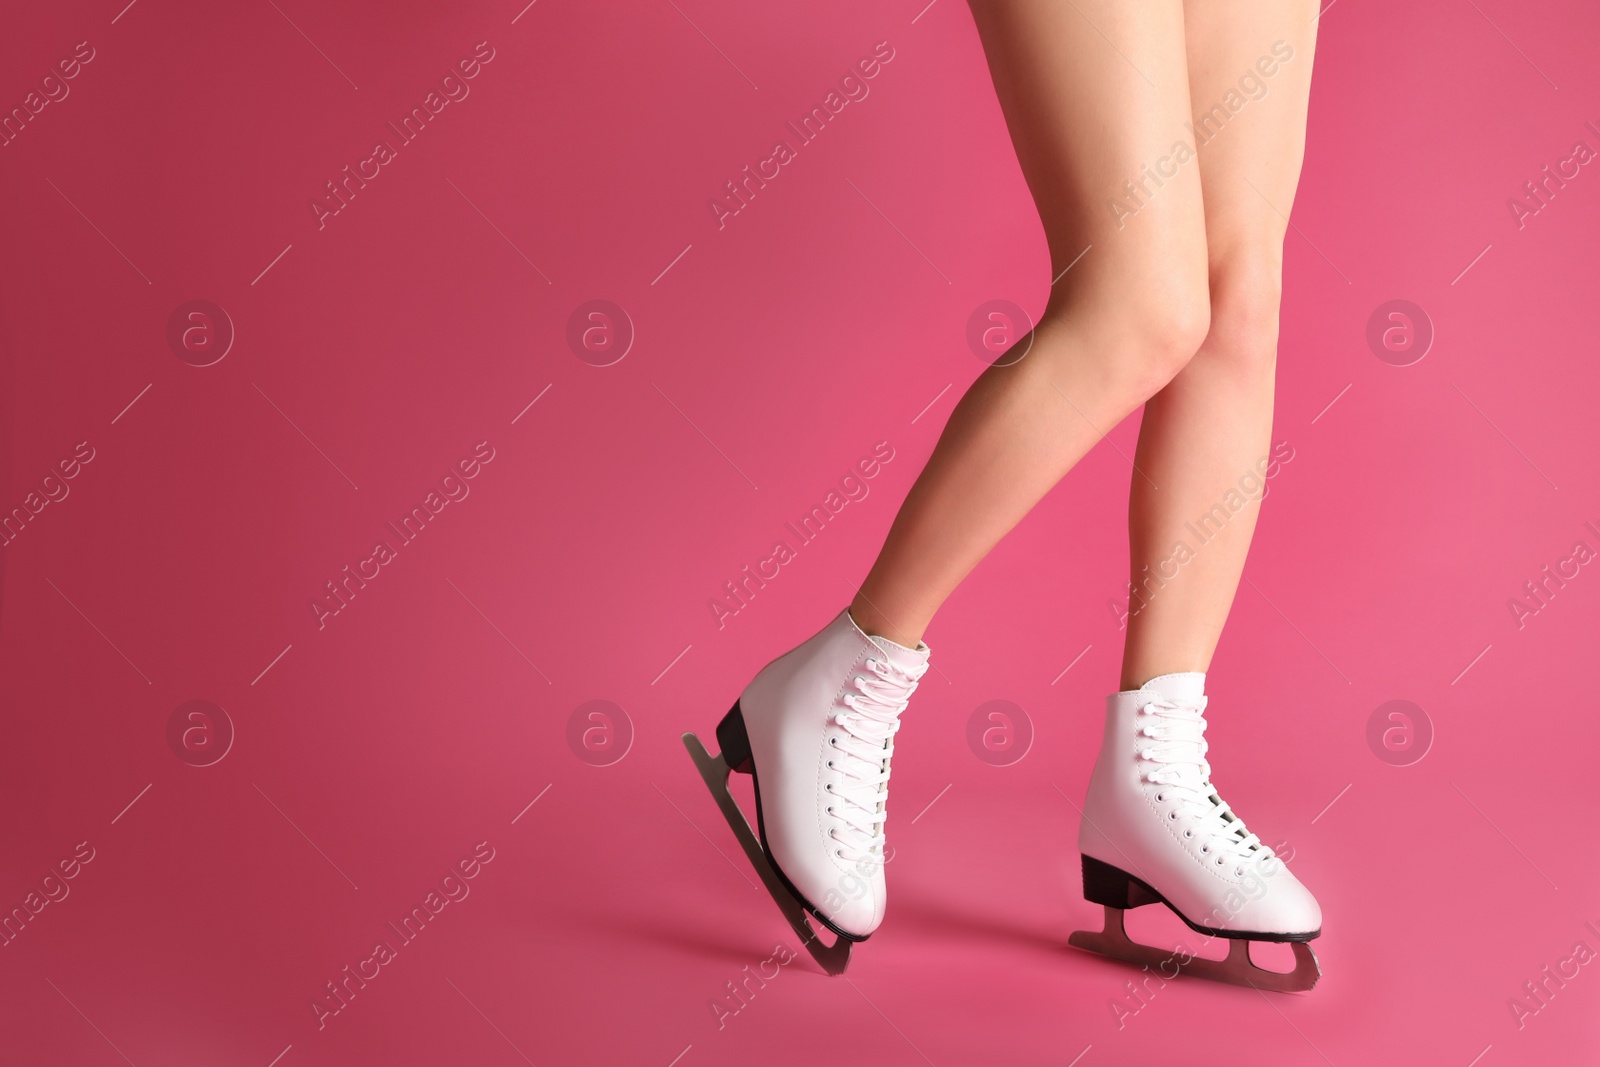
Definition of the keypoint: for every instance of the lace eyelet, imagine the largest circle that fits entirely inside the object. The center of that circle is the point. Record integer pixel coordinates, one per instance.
(834, 741)
(838, 854)
(1160, 797)
(1220, 860)
(1173, 815)
(830, 809)
(1188, 833)
(1206, 849)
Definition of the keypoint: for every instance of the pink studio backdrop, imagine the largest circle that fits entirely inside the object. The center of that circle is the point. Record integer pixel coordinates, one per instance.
(368, 752)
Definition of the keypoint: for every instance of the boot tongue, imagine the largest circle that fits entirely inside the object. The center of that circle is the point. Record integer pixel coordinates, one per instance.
(911, 660)
(1188, 685)
(1187, 689)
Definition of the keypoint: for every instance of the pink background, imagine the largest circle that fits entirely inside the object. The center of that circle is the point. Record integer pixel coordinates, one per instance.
(425, 717)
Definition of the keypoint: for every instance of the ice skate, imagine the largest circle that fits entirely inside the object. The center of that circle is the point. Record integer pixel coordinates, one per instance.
(1154, 830)
(815, 731)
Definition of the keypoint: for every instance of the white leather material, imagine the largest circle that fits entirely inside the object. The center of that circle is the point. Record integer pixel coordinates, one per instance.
(1158, 833)
(791, 711)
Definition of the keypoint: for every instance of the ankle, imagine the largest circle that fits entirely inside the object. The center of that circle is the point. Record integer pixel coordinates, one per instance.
(1137, 677)
(872, 622)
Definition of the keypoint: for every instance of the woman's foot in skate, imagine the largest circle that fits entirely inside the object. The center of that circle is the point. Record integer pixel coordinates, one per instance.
(815, 730)
(1155, 829)
(820, 725)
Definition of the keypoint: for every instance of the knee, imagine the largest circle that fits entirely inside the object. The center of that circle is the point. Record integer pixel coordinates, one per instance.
(1146, 327)
(1168, 330)
(1243, 335)
(1177, 329)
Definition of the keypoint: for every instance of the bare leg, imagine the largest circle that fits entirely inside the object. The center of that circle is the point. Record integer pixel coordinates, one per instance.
(1092, 91)
(1205, 440)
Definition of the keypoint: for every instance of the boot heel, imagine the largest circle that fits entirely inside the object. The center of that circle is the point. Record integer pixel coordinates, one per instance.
(734, 741)
(1113, 887)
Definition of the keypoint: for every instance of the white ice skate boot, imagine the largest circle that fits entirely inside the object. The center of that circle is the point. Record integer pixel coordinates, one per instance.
(1155, 830)
(815, 730)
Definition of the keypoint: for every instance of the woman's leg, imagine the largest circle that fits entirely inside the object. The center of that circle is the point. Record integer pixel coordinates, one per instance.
(1152, 817)
(1096, 95)
(1205, 439)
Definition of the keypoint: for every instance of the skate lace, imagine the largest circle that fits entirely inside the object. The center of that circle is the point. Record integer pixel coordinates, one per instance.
(1171, 738)
(864, 745)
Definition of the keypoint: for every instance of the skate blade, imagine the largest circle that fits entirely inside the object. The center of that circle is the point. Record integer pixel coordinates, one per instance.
(1237, 969)
(714, 770)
